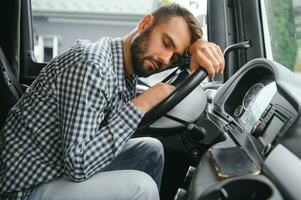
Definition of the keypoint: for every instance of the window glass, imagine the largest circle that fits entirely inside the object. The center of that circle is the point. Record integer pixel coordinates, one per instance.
(58, 23)
(283, 21)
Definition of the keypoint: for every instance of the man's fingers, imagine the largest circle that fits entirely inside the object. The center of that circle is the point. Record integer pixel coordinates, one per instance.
(207, 55)
(221, 56)
(205, 63)
(165, 86)
(214, 58)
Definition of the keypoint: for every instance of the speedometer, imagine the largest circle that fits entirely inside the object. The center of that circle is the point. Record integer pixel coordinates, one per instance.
(255, 101)
(251, 95)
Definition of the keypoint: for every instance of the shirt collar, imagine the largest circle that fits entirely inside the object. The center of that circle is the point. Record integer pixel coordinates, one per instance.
(118, 66)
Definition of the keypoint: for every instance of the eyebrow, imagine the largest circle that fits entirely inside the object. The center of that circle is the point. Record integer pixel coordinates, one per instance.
(173, 43)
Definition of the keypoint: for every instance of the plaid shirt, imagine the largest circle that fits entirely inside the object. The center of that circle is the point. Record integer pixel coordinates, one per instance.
(73, 120)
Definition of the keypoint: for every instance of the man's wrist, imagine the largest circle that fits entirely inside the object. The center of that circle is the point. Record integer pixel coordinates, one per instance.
(140, 105)
(190, 48)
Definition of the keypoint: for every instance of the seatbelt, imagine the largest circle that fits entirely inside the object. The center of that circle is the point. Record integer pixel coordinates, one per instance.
(9, 76)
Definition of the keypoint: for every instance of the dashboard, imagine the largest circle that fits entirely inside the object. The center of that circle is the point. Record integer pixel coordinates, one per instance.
(255, 101)
(259, 104)
(258, 109)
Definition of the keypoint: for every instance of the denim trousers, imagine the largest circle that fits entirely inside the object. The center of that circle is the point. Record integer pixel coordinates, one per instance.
(135, 174)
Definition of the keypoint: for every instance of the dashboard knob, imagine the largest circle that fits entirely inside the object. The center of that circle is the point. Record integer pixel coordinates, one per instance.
(197, 133)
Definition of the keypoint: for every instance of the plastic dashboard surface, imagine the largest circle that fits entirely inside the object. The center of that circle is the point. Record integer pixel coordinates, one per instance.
(259, 108)
(260, 104)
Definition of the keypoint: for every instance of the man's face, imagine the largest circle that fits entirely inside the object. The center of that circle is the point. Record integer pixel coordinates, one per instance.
(159, 46)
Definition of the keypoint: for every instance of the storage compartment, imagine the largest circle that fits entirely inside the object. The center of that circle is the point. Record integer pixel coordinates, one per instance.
(246, 187)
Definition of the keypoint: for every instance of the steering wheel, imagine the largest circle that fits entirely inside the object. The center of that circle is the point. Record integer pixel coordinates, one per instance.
(181, 91)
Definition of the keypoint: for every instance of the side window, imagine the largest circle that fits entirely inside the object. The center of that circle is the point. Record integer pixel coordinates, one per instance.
(58, 24)
(282, 32)
(46, 47)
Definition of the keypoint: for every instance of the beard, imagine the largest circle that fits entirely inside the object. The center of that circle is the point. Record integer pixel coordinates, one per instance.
(138, 50)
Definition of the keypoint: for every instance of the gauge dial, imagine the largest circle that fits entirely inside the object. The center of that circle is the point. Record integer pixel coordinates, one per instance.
(251, 94)
(239, 109)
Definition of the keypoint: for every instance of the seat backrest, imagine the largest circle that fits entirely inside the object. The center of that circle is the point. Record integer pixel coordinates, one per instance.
(8, 91)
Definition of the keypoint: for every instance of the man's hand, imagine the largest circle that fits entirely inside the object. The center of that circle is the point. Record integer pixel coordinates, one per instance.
(151, 97)
(206, 55)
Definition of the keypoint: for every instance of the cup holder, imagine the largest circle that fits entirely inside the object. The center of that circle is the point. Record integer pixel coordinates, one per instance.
(246, 188)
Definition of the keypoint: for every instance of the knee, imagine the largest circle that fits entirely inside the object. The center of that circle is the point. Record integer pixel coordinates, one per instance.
(156, 150)
(147, 188)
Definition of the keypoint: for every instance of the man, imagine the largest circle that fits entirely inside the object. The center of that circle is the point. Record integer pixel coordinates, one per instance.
(68, 137)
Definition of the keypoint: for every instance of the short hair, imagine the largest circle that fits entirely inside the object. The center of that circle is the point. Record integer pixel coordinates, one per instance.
(165, 12)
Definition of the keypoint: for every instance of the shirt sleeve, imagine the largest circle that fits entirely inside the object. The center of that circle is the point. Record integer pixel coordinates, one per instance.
(89, 143)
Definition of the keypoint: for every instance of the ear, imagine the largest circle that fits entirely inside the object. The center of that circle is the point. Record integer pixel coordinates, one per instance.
(145, 23)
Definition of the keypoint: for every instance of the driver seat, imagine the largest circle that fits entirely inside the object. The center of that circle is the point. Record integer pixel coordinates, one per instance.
(10, 89)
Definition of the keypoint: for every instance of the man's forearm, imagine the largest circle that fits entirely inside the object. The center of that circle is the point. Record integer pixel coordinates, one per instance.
(97, 151)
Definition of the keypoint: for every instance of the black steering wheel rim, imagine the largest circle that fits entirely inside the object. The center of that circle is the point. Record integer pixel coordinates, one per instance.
(173, 99)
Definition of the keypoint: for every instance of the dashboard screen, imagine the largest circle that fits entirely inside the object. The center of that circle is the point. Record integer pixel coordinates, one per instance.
(254, 102)
(274, 127)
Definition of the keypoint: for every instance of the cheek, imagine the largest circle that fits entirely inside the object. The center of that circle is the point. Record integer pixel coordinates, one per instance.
(154, 47)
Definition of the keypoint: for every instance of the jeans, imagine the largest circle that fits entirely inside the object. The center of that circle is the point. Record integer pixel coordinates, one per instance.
(135, 174)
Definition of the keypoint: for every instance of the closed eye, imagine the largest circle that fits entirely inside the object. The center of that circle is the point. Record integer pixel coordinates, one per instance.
(167, 44)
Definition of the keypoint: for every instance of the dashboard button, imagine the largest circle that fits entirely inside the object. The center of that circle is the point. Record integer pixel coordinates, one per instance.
(258, 130)
(266, 111)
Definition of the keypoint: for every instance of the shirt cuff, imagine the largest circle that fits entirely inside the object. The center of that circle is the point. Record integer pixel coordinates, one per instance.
(132, 106)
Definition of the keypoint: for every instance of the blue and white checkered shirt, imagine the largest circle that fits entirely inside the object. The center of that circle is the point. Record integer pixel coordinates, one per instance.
(73, 120)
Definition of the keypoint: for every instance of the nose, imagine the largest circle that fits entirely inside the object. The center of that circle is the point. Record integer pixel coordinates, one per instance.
(166, 56)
